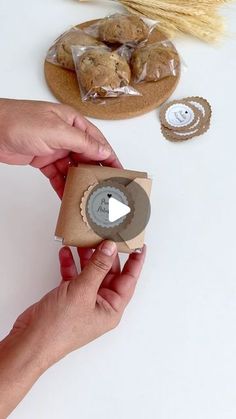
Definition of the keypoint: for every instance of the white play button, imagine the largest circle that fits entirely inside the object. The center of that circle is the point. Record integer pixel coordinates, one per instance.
(117, 209)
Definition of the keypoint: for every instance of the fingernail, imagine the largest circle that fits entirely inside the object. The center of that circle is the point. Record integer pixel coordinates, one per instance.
(104, 151)
(108, 248)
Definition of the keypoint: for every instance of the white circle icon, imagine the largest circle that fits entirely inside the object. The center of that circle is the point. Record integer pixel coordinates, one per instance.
(179, 115)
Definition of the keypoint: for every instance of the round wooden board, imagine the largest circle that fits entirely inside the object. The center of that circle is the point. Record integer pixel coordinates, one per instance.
(63, 84)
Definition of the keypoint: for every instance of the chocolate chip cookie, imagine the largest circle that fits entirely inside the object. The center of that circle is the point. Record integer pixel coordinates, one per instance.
(101, 72)
(121, 29)
(75, 37)
(154, 62)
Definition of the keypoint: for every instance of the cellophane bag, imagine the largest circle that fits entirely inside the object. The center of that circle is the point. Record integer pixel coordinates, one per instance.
(102, 73)
(60, 52)
(152, 61)
(122, 29)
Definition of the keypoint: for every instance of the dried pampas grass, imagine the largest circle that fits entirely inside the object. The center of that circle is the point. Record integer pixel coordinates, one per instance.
(198, 18)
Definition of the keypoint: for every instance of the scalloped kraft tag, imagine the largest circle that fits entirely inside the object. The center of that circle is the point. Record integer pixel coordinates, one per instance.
(202, 105)
(179, 115)
(83, 203)
(178, 136)
(184, 119)
(94, 208)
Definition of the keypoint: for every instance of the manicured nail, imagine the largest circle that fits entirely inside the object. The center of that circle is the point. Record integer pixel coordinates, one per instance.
(108, 248)
(104, 151)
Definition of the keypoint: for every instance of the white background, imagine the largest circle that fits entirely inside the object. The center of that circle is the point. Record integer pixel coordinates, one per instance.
(174, 354)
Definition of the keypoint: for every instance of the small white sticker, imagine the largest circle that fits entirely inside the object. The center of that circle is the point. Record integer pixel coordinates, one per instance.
(179, 115)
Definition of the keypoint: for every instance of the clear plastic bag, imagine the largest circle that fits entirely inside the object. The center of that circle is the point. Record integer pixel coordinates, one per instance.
(60, 52)
(122, 29)
(102, 73)
(152, 62)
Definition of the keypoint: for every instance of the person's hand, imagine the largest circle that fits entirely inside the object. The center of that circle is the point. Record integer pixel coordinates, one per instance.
(83, 307)
(50, 137)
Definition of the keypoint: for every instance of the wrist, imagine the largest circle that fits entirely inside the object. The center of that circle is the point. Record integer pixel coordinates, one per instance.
(4, 104)
(4, 134)
(20, 367)
(21, 352)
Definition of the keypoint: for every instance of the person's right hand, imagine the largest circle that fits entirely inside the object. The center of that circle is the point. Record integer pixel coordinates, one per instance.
(80, 309)
(83, 306)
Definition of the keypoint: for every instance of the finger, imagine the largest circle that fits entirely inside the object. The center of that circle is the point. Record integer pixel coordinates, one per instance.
(115, 270)
(84, 124)
(126, 285)
(81, 123)
(67, 264)
(123, 285)
(94, 132)
(98, 266)
(63, 165)
(56, 173)
(74, 139)
(55, 177)
(84, 256)
(72, 132)
(42, 161)
(134, 264)
(81, 158)
(73, 118)
(111, 161)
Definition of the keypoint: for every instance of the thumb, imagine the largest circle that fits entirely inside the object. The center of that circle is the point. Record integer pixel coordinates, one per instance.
(98, 266)
(79, 141)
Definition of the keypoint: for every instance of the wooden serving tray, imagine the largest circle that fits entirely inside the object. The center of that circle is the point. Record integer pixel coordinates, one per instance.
(63, 84)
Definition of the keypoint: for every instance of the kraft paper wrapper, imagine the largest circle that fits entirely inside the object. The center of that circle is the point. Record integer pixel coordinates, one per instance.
(71, 227)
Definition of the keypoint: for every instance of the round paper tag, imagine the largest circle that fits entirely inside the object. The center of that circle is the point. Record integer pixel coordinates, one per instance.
(98, 205)
(185, 119)
(179, 115)
(95, 207)
(117, 209)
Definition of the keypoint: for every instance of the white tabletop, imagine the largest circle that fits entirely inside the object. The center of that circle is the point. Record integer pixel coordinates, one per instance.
(173, 355)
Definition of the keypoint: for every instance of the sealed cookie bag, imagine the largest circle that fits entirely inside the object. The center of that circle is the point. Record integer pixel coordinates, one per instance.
(121, 29)
(60, 52)
(153, 62)
(102, 73)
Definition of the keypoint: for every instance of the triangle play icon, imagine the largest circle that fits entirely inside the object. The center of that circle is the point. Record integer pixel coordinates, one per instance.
(117, 209)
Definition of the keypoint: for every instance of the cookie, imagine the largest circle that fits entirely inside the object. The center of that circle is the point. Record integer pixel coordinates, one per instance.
(154, 62)
(101, 72)
(122, 29)
(76, 37)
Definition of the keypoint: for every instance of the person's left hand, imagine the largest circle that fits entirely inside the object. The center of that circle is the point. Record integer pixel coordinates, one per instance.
(50, 137)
